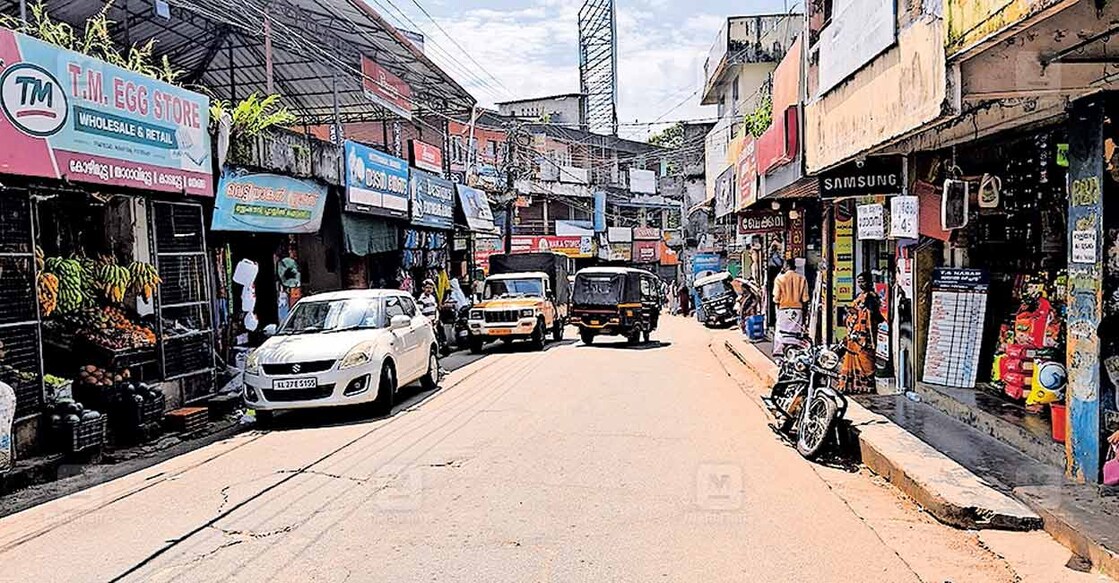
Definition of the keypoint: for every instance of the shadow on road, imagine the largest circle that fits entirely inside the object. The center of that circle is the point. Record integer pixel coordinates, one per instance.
(624, 345)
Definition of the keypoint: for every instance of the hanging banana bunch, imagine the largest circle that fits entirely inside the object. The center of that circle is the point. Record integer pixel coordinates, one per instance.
(47, 284)
(113, 281)
(144, 278)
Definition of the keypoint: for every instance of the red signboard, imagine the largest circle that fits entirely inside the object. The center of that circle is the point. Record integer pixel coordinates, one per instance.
(386, 89)
(646, 251)
(778, 145)
(425, 156)
(747, 174)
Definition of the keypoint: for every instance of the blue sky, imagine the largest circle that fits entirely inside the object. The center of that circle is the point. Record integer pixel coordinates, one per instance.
(530, 47)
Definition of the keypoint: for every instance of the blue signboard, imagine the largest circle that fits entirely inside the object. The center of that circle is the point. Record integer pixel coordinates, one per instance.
(433, 201)
(267, 203)
(376, 183)
(600, 212)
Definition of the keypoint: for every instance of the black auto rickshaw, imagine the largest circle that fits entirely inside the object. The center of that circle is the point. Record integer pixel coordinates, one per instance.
(616, 301)
(717, 297)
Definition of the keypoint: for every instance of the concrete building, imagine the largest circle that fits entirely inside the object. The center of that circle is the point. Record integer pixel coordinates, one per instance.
(566, 110)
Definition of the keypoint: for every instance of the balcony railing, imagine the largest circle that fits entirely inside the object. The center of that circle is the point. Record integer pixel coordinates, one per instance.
(748, 39)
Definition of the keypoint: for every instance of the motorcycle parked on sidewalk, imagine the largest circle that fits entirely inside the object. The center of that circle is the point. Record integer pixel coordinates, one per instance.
(804, 398)
(452, 329)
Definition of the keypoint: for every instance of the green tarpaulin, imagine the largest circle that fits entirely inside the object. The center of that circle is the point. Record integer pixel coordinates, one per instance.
(368, 235)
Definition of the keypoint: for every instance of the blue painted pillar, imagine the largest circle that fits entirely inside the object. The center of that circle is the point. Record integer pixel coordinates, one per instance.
(1085, 305)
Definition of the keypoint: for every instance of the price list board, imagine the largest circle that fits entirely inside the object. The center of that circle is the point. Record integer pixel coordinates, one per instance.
(956, 317)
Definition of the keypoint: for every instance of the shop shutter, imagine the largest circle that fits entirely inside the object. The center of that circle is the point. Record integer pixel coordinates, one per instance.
(185, 323)
(21, 358)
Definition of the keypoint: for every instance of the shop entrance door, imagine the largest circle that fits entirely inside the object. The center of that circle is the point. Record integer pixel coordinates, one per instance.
(184, 322)
(21, 357)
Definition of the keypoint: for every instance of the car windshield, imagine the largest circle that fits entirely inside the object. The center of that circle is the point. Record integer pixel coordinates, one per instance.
(514, 288)
(310, 317)
(714, 290)
(599, 290)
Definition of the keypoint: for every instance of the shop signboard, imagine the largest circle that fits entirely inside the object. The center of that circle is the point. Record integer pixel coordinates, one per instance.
(599, 212)
(376, 183)
(620, 252)
(619, 234)
(646, 251)
(646, 233)
(871, 222)
(756, 222)
(642, 181)
(746, 174)
(476, 208)
(433, 201)
(575, 247)
(875, 175)
(386, 89)
(484, 247)
(425, 156)
(794, 245)
(904, 217)
(724, 193)
(267, 203)
(69, 116)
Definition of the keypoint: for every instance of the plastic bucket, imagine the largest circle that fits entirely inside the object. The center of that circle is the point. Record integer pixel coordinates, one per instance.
(1060, 421)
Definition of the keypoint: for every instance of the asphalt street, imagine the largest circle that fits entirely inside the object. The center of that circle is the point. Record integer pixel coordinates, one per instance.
(599, 463)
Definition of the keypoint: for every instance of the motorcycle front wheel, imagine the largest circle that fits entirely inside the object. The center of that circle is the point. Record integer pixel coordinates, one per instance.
(816, 425)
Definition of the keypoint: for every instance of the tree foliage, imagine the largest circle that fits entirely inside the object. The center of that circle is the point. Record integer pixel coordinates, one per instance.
(671, 137)
(758, 121)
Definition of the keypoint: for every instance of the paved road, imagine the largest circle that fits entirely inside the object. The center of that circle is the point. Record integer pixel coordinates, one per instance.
(576, 464)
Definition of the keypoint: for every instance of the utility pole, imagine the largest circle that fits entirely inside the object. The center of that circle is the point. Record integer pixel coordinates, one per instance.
(510, 186)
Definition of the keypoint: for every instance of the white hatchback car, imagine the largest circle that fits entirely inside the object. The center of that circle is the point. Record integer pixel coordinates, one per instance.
(343, 348)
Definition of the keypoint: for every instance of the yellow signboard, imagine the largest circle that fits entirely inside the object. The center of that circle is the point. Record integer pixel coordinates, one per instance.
(971, 21)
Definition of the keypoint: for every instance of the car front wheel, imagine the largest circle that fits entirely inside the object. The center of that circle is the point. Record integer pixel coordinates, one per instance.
(386, 391)
(430, 381)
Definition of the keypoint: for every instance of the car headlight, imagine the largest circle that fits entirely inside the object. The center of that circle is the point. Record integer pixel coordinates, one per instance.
(357, 356)
(252, 363)
(528, 313)
(475, 314)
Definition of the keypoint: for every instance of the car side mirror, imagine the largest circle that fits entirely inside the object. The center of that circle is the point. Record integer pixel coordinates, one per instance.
(399, 322)
(270, 330)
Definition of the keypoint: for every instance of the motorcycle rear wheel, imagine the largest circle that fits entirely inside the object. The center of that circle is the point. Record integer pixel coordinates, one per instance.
(816, 425)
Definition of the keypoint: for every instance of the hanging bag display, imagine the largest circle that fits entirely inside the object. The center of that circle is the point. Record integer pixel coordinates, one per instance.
(1111, 469)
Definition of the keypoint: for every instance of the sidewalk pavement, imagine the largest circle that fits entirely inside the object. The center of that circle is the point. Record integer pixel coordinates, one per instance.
(1073, 514)
(946, 489)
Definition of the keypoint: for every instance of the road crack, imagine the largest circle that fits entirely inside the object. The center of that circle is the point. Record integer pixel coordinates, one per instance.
(323, 474)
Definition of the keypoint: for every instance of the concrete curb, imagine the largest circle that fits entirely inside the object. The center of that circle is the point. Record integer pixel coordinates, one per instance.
(947, 490)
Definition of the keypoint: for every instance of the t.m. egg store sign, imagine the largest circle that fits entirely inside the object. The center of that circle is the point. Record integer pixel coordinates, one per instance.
(66, 115)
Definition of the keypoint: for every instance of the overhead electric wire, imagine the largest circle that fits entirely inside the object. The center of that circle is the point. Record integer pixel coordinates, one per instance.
(464, 51)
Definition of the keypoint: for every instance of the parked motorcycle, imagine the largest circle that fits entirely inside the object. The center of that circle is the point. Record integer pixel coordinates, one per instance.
(804, 397)
(452, 328)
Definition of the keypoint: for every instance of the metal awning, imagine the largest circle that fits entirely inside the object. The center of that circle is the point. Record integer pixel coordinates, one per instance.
(316, 51)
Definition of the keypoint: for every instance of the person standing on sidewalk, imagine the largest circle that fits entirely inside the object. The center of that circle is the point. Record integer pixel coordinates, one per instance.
(790, 296)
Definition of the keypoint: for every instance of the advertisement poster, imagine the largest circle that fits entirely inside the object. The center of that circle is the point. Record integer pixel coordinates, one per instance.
(724, 193)
(904, 217)
(69, 116)
(476, 208)
(433, 201)
(843, 281)
(484, 247)
(575, 247)
(747, 174)
(376, 183)
(267, 203)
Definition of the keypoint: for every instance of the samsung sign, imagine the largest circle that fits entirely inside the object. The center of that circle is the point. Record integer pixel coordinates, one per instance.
(878, 175)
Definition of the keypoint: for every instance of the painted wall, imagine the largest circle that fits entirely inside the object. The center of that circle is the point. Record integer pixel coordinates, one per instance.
(901, 90)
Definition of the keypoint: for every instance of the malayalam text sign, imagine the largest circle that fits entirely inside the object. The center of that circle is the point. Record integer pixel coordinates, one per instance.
(376, 183)
(70, 116)
(267, 203)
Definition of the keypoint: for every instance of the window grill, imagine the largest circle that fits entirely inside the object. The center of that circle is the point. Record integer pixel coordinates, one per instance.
(21, 355)
(185, 324)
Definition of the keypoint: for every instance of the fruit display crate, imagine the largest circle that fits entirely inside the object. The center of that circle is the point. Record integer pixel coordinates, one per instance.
(188, 419)
(85, 435)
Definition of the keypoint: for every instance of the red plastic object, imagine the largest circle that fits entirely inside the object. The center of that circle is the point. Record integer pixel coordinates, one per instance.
(1060, 421)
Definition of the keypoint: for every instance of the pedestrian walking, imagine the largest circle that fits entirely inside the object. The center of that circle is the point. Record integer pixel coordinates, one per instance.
(685, 297)
(790, 296)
